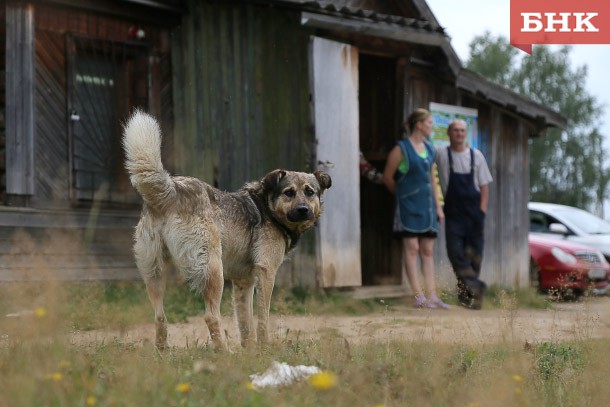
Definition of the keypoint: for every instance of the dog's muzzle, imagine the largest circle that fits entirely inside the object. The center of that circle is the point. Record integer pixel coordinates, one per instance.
(300, 213)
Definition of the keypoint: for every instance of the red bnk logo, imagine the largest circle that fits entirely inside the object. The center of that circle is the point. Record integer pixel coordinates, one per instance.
(559, 22)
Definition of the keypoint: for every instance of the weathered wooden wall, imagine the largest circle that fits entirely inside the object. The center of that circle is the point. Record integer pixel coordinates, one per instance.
(241, 95)
(51, 164)
(51, 238)
(51, 98)
(65, 245)
(2, 104)
(19, 113)
(234, 103)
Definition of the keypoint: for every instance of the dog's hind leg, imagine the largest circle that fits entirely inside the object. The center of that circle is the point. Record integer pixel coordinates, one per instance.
(155, 287)
(151, 260)
(194, 245)
(212, 295)
(243, 293)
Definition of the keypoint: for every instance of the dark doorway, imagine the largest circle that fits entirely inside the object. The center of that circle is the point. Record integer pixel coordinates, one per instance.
(379, 129)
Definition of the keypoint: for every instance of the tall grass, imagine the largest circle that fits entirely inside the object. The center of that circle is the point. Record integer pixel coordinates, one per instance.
(39, 366)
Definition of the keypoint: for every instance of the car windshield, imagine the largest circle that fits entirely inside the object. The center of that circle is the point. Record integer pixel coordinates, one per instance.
(589, 223)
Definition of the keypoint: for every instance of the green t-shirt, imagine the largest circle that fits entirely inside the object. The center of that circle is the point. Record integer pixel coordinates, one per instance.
(403, 167)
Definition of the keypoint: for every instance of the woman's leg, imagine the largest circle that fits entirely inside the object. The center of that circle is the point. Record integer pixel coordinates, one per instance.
(411, 251)
(426, 251)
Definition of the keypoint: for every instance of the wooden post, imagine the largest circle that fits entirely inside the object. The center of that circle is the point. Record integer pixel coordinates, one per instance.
(20, 99)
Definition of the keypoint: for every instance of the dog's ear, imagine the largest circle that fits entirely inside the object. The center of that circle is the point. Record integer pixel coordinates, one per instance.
(323, 179)
(271, 180)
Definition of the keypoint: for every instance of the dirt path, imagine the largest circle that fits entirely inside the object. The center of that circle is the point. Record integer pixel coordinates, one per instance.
(569, 321)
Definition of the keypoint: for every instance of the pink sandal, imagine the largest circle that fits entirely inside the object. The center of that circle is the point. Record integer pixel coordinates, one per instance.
(420, 301)
(437, 302)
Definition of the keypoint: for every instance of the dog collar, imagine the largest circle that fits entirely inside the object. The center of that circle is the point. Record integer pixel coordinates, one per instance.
(291, 238)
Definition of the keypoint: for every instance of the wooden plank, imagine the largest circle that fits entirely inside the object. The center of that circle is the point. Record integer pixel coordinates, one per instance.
(54, 260)
(379, 291)
(335, 99)
(20, 99)
(52, 169)
(78, 274)
(96, 248)
(493, 264)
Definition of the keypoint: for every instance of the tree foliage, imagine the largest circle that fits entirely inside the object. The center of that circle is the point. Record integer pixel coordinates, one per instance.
(566, 166)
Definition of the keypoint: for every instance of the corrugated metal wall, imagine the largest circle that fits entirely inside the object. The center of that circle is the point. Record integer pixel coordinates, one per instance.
(241, 98)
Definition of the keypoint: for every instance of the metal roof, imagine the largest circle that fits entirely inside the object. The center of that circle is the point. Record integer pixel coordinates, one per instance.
(356, 9)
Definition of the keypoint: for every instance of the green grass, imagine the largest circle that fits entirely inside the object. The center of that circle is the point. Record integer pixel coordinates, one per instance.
(56, 373)
(522, 298)
(39, 365)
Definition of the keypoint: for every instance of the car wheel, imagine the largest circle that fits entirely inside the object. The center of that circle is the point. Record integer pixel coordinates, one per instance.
(535, 276)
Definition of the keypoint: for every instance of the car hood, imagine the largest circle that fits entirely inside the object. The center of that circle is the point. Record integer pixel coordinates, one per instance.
(600, 242)
(569, 246)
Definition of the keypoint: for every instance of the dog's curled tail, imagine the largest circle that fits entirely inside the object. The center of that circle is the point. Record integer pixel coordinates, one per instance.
(142, 145)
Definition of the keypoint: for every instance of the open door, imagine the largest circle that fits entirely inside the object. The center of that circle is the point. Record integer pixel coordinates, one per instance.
(335, 106)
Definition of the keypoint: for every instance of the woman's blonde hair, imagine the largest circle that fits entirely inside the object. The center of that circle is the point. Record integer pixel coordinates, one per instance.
(417, 116)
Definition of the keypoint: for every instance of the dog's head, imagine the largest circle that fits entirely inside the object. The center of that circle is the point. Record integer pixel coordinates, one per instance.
(295, 198)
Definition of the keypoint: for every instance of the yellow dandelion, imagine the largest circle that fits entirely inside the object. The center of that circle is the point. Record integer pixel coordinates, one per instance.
(40, 312)
(250, 386)
(323, 381)
(91, 401)
(517, 378)
(518, 391)
(54, 376)
(183, 387)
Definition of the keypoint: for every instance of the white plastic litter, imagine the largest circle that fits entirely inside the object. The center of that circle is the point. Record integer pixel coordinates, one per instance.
(19, 314)
(281, 374)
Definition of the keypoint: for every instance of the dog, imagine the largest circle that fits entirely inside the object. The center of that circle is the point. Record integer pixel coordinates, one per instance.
(211, 235)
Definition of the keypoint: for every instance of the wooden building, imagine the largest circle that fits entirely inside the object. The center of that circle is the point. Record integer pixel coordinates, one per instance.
(243, 87)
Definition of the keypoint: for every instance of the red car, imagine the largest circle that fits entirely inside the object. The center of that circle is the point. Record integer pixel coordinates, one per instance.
(567, 267)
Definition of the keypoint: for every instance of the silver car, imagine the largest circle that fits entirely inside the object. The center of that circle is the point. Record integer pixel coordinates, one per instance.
(567, 222)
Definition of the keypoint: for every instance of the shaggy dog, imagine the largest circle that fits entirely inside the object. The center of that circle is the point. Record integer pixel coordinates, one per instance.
(211, 235)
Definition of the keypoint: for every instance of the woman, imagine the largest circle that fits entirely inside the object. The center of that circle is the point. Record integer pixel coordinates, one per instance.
(409, 174)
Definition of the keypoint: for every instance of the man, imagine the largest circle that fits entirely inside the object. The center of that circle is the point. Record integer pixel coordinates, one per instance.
(465, 178)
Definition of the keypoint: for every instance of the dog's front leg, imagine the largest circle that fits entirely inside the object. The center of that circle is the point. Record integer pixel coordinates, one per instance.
(264, 286)
(243, 291)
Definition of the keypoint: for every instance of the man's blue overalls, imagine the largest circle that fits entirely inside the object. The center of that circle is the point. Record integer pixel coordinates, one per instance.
(464, 225)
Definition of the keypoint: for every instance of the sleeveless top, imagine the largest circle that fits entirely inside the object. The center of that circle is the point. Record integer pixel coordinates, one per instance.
(414, 195)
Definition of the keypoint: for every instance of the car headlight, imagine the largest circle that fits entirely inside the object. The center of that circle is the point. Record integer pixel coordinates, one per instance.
(563, 256)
